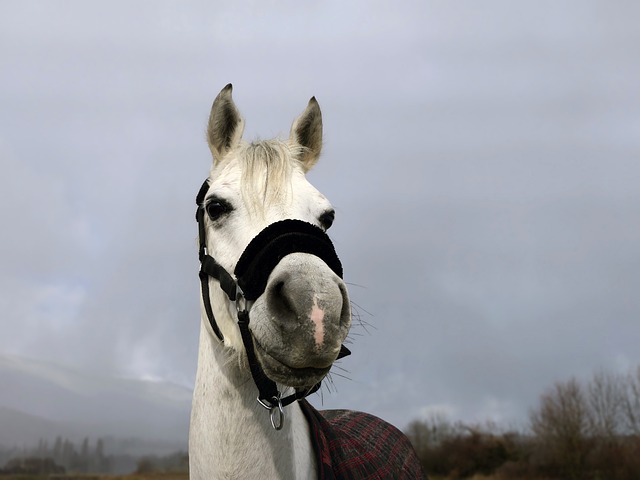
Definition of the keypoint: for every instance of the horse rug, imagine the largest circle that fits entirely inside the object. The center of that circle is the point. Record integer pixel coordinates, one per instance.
(355, 446)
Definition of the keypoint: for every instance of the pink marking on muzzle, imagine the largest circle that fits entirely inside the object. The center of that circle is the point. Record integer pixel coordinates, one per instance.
(317, 317)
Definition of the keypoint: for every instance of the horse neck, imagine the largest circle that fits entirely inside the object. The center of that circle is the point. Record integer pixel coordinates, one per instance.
(231, 435)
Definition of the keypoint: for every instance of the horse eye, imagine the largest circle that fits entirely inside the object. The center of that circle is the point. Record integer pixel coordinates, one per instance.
(327, 218)
(217, 207)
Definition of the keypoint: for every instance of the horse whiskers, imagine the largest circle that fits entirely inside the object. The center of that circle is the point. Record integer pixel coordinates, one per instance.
(234, 357)
(329, 385)
(341, 375)
(351, 284)
(358, 321)
(360, 307)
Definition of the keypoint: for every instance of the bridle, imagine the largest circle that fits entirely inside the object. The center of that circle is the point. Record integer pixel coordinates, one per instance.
(252, 271)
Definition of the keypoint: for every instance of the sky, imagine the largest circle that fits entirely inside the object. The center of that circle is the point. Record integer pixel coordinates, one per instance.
(483, 159)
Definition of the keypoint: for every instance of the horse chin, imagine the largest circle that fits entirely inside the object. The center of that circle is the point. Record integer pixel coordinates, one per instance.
(296, 377)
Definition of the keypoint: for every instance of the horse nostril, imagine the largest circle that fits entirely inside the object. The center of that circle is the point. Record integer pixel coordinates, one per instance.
(279, 298)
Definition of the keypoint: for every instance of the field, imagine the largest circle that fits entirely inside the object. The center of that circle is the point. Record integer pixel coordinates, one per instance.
(157, 476)
(150, 476)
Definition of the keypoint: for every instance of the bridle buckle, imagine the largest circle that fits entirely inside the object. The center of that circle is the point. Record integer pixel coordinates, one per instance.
(242, 304)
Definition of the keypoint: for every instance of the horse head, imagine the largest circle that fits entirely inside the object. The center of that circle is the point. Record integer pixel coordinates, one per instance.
(254, 194)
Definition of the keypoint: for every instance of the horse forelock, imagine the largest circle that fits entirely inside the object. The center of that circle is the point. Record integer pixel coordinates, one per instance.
(266, 168)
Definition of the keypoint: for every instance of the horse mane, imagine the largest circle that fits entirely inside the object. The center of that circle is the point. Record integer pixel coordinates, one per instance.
(266, 167)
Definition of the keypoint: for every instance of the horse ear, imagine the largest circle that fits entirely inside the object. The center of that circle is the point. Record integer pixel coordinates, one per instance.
(306, 132)
(225, 125)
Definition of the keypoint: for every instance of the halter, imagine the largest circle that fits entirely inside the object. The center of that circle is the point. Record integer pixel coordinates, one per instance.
(252, 271)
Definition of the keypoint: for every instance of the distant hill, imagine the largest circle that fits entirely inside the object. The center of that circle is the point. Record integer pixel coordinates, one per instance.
(42, 400)
(20, 429)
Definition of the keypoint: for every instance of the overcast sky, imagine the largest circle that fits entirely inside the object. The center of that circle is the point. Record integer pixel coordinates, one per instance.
(483, 159)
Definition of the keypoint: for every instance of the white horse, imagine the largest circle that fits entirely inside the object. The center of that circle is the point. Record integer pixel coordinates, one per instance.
(272, 329)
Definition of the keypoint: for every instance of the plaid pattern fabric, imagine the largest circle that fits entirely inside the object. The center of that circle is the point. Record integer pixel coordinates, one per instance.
(355, 445)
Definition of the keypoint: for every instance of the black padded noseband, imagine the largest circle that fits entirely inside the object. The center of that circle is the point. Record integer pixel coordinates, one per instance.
(274, 243)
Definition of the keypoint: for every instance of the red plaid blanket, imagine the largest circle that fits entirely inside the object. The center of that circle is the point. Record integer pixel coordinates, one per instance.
(355, 445)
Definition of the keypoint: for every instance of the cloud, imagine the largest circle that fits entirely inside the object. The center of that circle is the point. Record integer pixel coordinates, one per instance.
(482, 162)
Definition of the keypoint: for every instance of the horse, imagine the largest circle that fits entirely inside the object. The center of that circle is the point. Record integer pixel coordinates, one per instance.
(275, 313)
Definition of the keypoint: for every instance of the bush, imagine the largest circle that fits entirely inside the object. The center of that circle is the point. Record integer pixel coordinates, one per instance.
(31, 466)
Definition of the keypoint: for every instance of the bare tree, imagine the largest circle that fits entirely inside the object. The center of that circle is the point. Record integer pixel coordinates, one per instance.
(561, 423)
(432, 431)
(606, 403)
(631, 403)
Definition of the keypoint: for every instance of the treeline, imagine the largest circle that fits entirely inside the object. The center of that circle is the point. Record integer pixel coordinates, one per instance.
(578, 430)
(86, 457)
(82, 458)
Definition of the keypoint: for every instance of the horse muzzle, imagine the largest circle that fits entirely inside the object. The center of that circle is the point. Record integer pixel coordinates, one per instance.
(301, 320)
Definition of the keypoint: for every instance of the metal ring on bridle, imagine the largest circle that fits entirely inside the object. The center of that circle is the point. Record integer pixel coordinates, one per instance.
(276, 412)
(279, 414)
